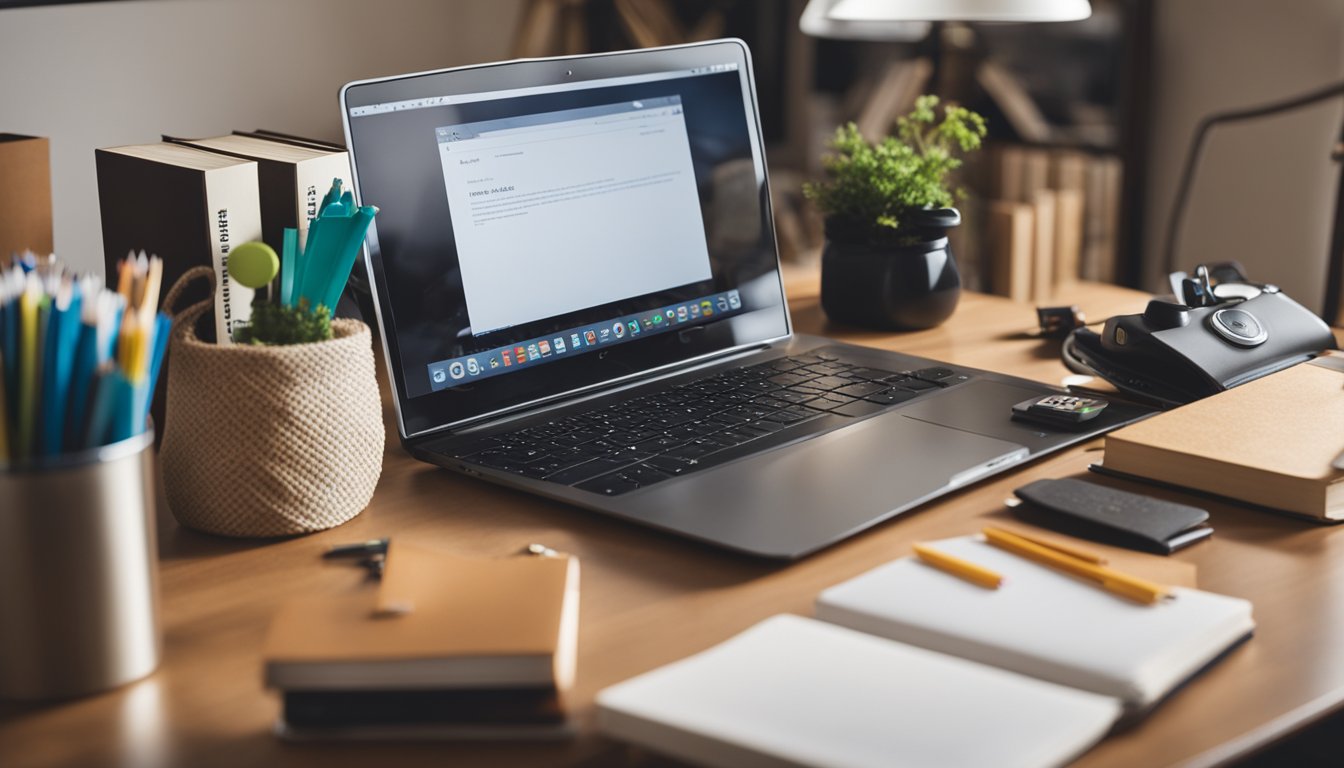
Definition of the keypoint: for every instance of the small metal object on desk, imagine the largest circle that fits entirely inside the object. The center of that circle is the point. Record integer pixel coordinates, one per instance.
(363, 548)
(372, 555)
(375, 564)
(539, 550)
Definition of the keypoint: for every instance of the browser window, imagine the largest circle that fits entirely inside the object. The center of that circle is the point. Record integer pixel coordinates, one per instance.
(620, 174)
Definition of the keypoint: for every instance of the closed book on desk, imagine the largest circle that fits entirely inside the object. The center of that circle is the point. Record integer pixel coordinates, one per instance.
(1042, 623)
(792, 691)
(1270, 442)
(444, 642)
(186, 205)
(293, 178)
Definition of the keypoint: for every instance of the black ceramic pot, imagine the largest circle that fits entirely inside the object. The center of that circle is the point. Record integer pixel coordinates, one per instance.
(908, 285)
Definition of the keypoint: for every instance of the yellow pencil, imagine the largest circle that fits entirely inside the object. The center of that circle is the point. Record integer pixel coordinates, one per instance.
(126, 337)
(27, 413)
(962, 569)
(1132, 587)
(149, 302)
(1059, 546)
(125, 269)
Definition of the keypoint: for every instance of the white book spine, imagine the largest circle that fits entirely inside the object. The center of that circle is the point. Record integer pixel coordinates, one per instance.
(234, 213)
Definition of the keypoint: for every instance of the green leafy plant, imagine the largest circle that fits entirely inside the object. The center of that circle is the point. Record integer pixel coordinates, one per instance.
(280, 324)
(872, 187)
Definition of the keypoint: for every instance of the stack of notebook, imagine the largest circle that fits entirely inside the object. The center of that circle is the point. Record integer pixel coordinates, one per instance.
(446, 647)
(916, 665)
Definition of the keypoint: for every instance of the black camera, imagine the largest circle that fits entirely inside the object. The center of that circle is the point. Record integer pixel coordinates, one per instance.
(1222, 334)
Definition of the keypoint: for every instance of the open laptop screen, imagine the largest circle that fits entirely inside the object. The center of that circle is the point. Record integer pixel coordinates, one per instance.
(548, 226)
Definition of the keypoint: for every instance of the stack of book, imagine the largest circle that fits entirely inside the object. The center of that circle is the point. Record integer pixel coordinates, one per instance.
(1276, 442)
(446, 647)
(1053, 218)
(193, 200)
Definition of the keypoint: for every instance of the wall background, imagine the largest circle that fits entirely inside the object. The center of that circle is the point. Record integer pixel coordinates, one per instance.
(104, 74)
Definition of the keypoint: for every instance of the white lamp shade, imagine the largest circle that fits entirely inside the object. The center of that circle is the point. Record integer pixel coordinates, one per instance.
(905, 20)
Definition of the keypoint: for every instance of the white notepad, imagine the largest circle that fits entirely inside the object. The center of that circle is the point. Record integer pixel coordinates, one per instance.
(1042, 623)
(795, 691)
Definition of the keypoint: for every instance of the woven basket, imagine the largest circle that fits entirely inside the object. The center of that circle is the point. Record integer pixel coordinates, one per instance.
(269, 441)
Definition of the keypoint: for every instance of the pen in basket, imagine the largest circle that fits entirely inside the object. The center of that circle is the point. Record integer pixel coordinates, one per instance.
(78, 361)
(311, 282)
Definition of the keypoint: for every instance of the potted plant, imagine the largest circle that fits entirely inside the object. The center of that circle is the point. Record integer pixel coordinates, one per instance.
(887, 205)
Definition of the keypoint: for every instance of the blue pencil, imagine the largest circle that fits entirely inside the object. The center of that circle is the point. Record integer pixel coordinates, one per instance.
(9, 340)
(100, 414)
(124, 409)
(81, 379)
(163, 326)
(62, 334)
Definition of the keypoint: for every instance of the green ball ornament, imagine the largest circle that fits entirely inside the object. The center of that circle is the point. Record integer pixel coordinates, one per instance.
(254, 265)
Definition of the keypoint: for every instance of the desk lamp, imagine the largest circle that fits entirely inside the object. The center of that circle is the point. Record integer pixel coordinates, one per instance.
(909, 20)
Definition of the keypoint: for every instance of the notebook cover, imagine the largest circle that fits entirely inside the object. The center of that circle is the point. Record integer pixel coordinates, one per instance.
(794, 691)
(1042, 622)
(1268, 442)
(468, 622)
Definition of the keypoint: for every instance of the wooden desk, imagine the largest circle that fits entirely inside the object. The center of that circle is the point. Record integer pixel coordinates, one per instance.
(649, 599)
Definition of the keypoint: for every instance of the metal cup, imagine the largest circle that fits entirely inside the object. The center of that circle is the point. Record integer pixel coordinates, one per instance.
(79, 593)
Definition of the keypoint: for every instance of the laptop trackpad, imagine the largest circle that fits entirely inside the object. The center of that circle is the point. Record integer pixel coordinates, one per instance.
(792, 500)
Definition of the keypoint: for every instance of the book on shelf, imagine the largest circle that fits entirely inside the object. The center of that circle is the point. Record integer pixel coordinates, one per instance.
(446, 646)
(25, 195)
(1072, 222)
(189, 207)
(1272, 442)
(293, 176)
(909, 660)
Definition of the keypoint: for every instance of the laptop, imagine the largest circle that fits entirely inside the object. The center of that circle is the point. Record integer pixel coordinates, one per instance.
(578, 290)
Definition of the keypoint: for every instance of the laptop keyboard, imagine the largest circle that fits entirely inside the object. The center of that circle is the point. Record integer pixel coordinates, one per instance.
(618, 448)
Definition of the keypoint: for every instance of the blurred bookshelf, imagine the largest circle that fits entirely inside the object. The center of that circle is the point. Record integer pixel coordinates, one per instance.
(1051, 199)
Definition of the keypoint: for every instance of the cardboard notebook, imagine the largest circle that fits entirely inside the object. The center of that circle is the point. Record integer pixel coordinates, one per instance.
(1271, 442)
(446, 646)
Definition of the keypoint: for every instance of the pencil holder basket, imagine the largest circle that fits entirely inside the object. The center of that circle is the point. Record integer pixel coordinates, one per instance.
(265, 441)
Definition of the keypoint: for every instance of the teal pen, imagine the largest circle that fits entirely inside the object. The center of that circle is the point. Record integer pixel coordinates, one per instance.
(333, 194)
(316, 258)
(314, 246)
(288, 254)
(350, 249)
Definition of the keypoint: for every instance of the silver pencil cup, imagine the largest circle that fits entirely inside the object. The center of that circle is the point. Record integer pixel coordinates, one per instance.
(79, 596)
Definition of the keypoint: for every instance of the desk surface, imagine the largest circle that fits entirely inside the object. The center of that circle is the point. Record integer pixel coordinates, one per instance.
(649, 599)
